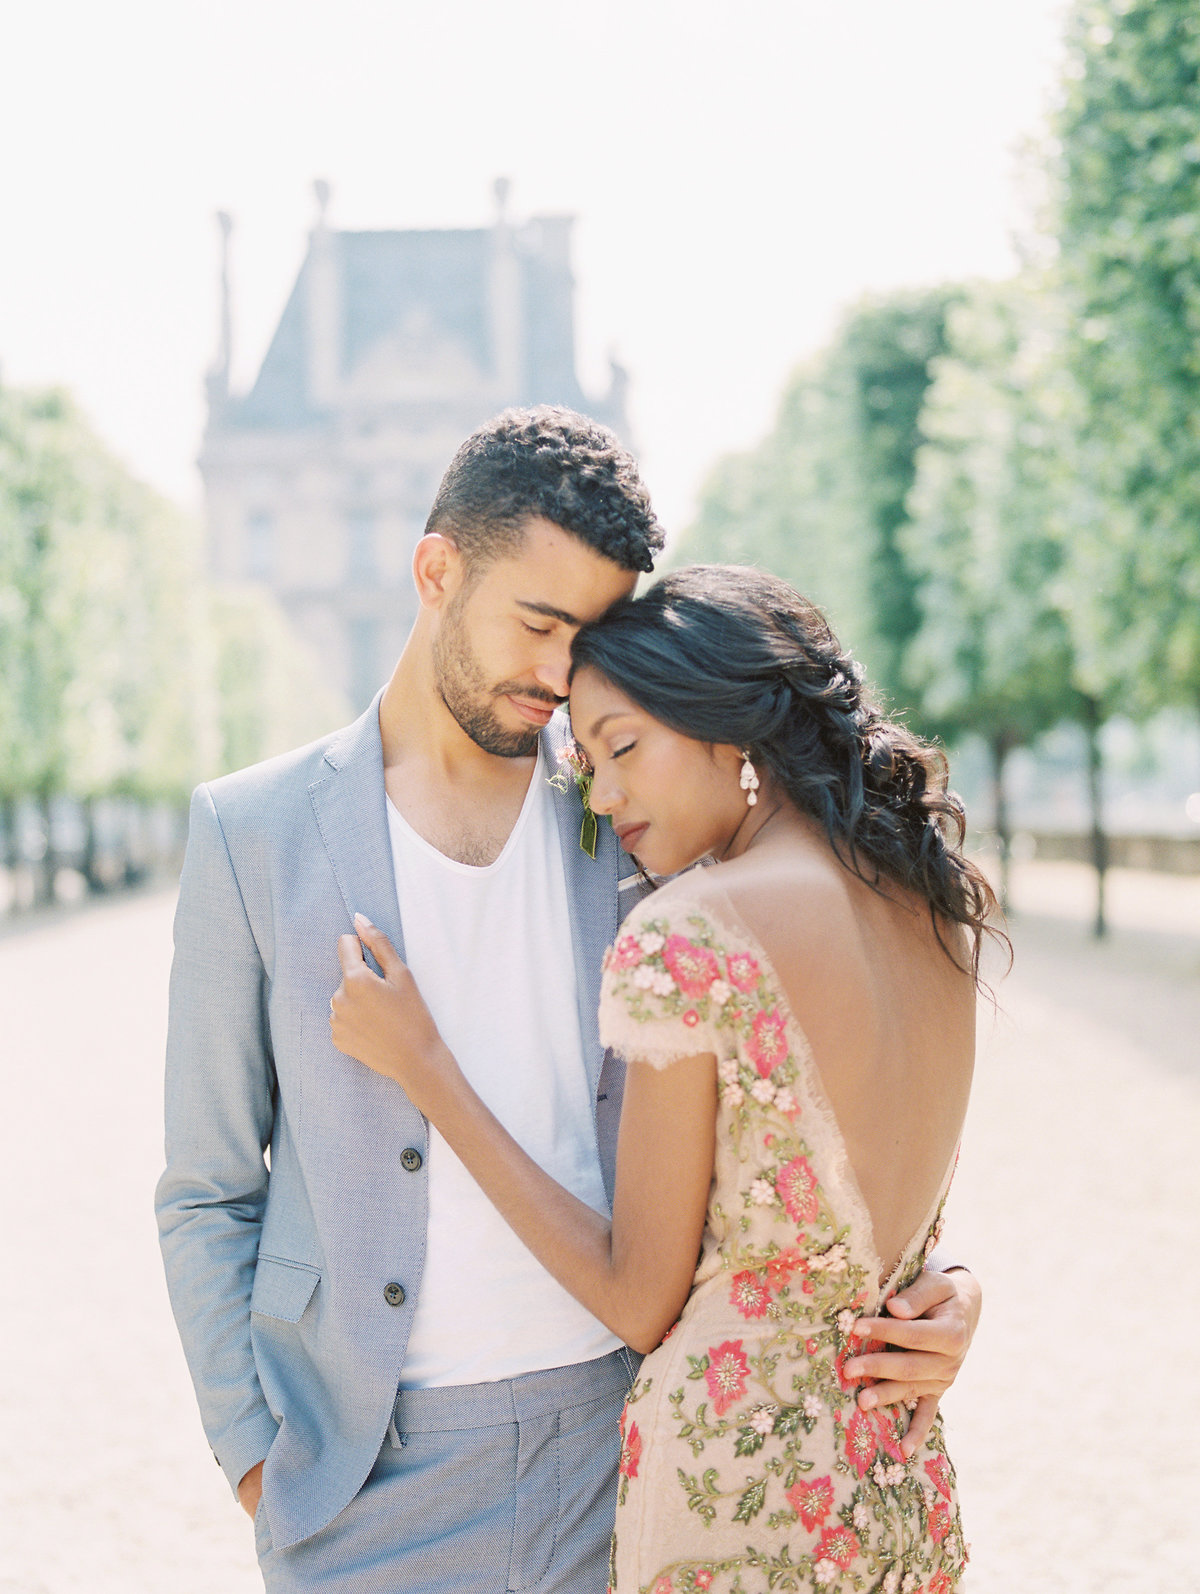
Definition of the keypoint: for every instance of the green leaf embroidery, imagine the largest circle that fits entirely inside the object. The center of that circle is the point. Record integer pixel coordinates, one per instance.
(751, 1502)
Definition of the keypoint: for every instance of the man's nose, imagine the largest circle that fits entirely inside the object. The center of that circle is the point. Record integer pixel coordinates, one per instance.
(553, 671)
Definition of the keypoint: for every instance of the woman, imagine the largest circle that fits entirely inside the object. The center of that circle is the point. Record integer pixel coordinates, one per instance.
(799, 1026)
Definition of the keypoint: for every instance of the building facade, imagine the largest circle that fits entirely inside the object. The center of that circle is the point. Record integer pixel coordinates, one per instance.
(392, 347)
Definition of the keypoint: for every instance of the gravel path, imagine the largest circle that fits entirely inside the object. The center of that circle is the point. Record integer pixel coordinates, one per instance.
(1076, 1202)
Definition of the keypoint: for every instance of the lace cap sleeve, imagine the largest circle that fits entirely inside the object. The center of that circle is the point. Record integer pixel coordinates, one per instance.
(664, 985)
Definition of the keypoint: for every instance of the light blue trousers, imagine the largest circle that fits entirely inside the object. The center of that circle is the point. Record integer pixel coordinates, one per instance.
(497, 1488)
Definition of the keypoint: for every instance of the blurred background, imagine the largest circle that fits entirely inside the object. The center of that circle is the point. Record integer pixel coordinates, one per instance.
(899, 301)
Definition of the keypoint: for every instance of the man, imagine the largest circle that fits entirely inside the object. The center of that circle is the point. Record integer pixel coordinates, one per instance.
(400, 1396)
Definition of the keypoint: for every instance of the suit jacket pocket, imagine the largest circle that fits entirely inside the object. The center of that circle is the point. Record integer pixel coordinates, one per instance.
(283, 1289)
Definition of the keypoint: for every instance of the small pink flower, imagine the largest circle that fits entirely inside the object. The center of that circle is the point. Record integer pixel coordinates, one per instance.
(887, 1426)
(796, 1184)
(694, 967)
(627, 954)
(940, 1583)
(812, 1502)
(767, 1043)
(839, 1545)
(939, 1522)
(663, 1586)
(631, 1450)
(691, 1018)
(749, 1294)
(939, 1471)
(703, 1578)
(726, 1374)
(780, 1268)
(742, 971)
(862, 1442)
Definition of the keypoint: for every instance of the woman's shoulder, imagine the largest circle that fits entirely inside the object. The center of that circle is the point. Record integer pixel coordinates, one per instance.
(689, 900)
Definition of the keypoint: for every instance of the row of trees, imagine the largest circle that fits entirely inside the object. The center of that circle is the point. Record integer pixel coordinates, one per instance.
(994, 488)
(123, 674)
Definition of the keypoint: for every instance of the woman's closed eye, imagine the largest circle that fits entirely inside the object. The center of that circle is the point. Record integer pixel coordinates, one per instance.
(619, 752)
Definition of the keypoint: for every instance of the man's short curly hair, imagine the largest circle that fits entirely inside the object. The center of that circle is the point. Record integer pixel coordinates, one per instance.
(553, 463)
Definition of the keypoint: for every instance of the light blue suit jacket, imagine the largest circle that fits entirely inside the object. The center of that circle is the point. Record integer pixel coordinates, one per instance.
(277, 1273)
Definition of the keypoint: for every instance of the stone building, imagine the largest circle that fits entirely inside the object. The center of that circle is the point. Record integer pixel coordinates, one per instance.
(392, 347)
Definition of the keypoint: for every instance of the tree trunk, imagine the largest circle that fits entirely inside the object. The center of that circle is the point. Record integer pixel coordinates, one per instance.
(12, 852)
(1092, 722)
(47, 869)
(1001, 746)
(90, 862)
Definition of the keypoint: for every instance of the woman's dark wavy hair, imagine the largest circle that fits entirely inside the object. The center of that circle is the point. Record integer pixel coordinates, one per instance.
(726, 654)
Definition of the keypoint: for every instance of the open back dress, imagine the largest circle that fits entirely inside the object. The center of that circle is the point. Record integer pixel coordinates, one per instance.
(746, 1464)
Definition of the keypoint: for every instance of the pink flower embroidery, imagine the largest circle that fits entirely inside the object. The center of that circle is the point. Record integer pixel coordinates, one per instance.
(837, 1544)
(691, 1018)
(749, 1294)
(663, 1586)
(939, 1471)
(812, 1502)
(726, 1374)
(939, 1522)
(796, 1185)
(767, 1044)
(861, 1442)
(887, 1426)
(940, 1583)
(631, 1450)
(780, 1268)
(703, 1578)
(627, 954)
(742, 971)
(694, 967)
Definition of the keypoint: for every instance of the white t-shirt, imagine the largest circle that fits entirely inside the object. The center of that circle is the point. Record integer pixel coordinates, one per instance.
(490, 949)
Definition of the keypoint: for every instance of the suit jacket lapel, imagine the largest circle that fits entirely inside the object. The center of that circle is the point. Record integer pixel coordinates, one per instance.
(591, 897)
(351, 810)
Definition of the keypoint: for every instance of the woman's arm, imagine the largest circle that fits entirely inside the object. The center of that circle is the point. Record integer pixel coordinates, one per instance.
(634, 1273)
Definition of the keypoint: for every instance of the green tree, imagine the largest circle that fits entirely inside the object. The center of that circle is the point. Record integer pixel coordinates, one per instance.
(994, 654)
(270, 691)
(1129, 235)
(822, 500)
(122, 673)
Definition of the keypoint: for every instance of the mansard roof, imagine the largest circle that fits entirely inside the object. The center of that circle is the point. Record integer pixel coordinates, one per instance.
(442, 278)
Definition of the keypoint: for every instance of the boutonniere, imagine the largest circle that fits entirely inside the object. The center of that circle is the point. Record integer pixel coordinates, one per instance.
(573, 767)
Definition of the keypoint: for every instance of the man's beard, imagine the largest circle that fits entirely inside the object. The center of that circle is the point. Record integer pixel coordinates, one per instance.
(461, 685)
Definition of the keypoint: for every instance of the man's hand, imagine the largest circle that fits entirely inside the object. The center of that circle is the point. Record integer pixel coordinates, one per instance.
(932, 1323)
(250, 1491)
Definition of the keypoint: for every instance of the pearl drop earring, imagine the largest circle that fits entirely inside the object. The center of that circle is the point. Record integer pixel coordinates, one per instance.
(748, 780)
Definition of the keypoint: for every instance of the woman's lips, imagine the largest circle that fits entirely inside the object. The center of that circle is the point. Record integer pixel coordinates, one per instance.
(535, 713)
(630, 835)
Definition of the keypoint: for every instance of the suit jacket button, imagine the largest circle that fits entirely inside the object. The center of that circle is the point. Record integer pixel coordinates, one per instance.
(393, 1294)
(410, 1159)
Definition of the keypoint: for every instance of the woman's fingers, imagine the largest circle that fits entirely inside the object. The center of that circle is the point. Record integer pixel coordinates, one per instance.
(920, 1424)
(380, 948)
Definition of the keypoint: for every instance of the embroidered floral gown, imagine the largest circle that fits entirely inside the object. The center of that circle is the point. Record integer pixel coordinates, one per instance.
(745, 1462)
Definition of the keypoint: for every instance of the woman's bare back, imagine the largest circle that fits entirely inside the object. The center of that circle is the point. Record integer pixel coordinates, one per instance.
(890, 1016)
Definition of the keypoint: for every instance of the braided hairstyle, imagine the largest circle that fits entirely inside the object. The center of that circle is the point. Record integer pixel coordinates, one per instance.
(726, 654)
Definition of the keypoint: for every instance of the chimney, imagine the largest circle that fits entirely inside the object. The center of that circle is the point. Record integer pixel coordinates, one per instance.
(217, 378)
(324, 307)
(504, 296)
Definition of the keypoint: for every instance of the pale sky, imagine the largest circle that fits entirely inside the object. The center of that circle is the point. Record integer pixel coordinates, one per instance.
(741, 172)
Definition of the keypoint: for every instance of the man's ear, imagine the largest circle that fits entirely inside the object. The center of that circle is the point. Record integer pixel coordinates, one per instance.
(438, 570)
